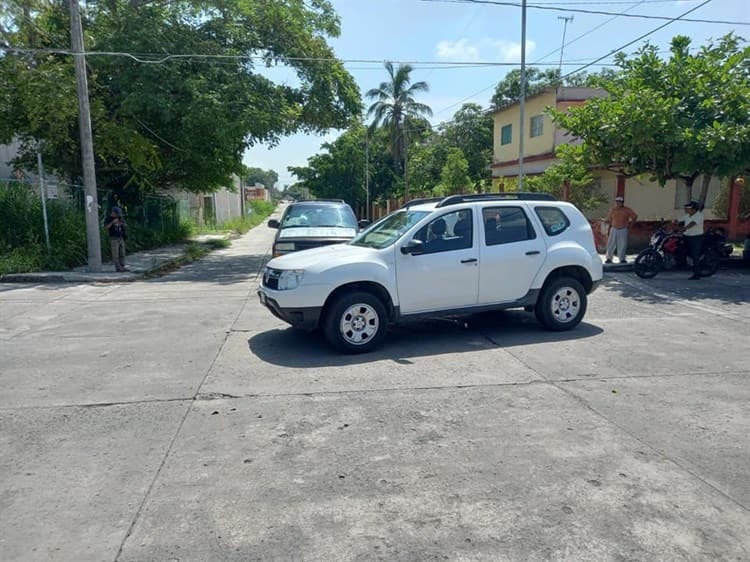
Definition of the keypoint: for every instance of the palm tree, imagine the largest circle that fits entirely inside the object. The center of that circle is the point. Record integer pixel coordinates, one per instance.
(393, 108)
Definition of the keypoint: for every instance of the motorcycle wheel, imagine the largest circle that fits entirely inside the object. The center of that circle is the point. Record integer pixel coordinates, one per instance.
(709, 263)
(647, 263)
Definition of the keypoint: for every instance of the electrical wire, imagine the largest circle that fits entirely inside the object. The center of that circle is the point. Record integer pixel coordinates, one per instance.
(626, 45)
(582, 11)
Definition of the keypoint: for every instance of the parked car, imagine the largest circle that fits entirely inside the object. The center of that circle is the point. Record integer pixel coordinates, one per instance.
(458, 255)
(310, 224)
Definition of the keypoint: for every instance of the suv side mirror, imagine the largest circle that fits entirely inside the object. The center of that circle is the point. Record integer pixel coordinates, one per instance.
(414, 246)
(273, 223)
(364, 223)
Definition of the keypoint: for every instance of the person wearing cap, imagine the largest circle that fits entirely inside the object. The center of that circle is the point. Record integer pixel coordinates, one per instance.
(693, 223)
(620, 218)
(117, 230)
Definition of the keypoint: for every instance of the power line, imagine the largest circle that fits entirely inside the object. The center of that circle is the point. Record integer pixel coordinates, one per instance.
(659, 28)
(589, 32)
(172, 57)
(582, 11)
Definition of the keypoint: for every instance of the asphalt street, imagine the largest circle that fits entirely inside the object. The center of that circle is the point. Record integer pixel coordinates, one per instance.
(176, 419)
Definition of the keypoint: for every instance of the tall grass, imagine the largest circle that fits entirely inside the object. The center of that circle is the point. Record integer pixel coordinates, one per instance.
(22, 242)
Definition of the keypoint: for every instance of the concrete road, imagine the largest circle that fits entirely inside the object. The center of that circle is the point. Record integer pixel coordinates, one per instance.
(175, 419)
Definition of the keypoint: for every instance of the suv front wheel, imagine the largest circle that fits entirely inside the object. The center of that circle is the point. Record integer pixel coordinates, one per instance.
(355, 322)
(561, 304)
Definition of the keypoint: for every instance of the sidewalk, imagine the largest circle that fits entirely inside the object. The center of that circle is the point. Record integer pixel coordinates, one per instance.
(140, 265)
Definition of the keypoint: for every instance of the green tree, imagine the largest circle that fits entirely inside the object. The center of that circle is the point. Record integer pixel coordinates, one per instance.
(571, 166)
(395, 107)
(176, 119)
(454, 177)
(508, 90)
(338, 172)
(470, 130)
(678, 118)
(257, 175)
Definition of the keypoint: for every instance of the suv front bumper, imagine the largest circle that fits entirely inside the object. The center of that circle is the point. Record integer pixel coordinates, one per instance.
(302, 318)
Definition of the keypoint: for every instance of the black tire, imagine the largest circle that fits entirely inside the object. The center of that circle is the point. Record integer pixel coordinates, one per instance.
(709, 263)
(562, 304)
(647, 264)
(355, 322)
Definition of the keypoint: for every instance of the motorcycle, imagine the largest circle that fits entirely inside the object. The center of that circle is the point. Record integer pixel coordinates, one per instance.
(667, 250)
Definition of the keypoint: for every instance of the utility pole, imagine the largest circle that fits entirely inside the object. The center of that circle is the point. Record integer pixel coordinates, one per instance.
(43, 194)
(522, 100)
(367, 174)
(91, 204)
(562, 47)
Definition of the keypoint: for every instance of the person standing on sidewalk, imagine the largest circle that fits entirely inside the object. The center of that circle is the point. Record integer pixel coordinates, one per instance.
(118, 233)
(620, 218)
(693, 222)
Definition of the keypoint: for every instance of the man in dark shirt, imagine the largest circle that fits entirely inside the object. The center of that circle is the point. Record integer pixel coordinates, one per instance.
(117, 230)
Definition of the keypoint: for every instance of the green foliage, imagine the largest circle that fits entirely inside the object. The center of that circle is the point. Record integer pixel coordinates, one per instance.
(395, 107)
(184, 121)
(22, 241)
(570, 166)
(470, 130)
(677, 118)
(218, 243)
(508, 90)
(256, 175)
(195, 251)
(454, 176)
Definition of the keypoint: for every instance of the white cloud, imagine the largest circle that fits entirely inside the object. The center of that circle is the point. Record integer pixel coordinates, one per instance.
(461, 50)
(482, 50)
(509, 51)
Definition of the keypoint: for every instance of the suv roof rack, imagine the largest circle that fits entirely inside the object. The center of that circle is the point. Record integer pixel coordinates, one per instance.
(421, 201)
(321, 201)
(517, 195)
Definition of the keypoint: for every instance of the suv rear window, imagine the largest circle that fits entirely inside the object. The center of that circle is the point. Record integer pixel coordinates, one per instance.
(553, 220)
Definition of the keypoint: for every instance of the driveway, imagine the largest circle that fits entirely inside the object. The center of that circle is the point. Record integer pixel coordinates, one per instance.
(175, 419)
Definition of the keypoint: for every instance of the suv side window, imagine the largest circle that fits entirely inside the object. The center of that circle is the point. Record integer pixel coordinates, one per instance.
(553, 220)
(504, 225)
(452, 231)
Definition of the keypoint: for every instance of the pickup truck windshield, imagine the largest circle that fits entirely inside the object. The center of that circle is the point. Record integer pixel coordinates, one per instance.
(389, 229)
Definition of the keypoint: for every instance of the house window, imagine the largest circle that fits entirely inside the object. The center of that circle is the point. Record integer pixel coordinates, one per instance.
(506, 134)
(537, 125)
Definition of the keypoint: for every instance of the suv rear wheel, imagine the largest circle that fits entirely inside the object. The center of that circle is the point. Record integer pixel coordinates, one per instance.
(355, 322)
(561, 304)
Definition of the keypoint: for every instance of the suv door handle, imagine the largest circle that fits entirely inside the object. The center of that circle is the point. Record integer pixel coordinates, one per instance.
(533, 253)
(472, 260)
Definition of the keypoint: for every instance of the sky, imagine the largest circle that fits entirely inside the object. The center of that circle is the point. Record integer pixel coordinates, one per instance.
(431, 34)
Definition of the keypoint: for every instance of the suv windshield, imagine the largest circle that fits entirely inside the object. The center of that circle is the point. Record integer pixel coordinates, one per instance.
(386, 231)
(303, 216)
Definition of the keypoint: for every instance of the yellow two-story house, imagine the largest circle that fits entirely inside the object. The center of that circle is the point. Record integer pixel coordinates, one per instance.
(542, 137)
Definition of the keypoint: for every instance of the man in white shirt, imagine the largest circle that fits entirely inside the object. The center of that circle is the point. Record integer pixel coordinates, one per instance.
(693, 222)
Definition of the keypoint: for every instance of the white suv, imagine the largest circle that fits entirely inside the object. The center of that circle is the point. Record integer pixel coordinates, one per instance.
(458, 255)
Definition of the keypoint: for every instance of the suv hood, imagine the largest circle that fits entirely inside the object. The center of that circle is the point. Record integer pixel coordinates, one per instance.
(325, 257)
(316, 232)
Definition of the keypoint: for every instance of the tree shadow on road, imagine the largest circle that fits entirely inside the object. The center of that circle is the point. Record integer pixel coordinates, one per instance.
(726, 287)
(425, 338)
(216, 268)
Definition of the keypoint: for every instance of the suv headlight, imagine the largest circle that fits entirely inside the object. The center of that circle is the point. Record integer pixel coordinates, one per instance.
(290, 279)
(285, 247)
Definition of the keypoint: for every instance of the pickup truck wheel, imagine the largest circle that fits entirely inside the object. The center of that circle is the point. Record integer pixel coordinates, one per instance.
(562, 304)
(355, 322)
